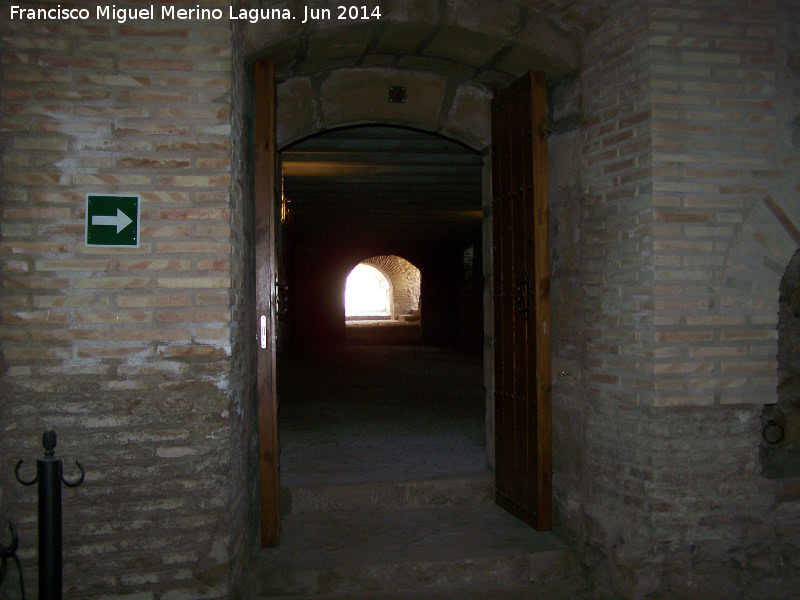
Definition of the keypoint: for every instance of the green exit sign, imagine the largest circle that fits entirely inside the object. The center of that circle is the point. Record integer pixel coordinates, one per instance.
(112, 220)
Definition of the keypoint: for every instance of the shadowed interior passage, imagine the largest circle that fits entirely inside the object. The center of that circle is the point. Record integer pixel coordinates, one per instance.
(372, 413)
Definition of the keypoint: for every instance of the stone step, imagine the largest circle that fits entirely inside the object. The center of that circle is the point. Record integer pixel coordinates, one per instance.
(449, 491)
(542, 591)
(554, 592)
(426, 552)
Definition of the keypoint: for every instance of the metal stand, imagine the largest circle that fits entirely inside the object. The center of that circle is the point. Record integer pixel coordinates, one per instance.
(11, 552)
(49, 475)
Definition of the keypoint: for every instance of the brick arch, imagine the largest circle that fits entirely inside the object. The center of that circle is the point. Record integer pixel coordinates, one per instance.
(404, 277)
(754, 266)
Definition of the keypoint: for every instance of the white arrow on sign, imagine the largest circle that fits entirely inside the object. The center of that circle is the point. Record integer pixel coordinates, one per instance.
(120, 220)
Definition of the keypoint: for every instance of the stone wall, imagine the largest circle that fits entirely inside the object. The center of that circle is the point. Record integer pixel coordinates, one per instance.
(126, 353)
(565, 195)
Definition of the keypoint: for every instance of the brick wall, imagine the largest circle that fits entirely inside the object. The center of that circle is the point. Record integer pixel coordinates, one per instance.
(617, 282)
(615, 227)
(716, 159)
(125, 353)
(688, 223)
(405, 280)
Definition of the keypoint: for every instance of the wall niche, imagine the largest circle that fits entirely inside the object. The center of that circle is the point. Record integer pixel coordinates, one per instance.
(780, 445)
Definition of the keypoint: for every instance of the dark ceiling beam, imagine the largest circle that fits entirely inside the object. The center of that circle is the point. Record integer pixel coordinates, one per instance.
(380, 157)
(345, 168)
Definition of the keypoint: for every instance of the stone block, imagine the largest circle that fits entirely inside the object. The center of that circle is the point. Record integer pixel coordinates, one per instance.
(436, 65)
(521, 58)
(470, 113)
(403, 38)
(463, 46)
(297, 113)
(358, 96)
(348, 42)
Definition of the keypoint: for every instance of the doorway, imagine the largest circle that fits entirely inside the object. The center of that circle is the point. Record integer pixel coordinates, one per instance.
(401, 399)
(521, 323)
(368, 294)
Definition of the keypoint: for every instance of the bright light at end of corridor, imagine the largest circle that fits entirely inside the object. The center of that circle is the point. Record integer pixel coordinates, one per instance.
(366, 292)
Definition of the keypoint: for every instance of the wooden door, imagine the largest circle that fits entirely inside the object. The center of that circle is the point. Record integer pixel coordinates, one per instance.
(523, 454)
(265, 193)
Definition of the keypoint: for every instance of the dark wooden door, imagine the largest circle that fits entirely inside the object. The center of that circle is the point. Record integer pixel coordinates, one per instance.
(523, 454)
(265, 193)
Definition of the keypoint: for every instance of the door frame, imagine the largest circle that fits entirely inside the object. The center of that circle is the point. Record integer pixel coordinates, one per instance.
(266, 196)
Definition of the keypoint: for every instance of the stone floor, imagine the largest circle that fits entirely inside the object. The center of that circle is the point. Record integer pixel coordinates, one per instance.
(414, 553)
(362, 412)
(386, 492)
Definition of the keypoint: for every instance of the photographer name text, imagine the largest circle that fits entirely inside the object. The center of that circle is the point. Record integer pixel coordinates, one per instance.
(112, 12)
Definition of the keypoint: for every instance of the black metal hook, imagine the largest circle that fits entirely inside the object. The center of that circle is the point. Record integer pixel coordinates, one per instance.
(76, 483)
(11, 552)
(20, 479)
(7, 552)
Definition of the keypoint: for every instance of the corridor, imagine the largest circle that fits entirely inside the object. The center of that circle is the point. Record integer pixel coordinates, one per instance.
(364, 411)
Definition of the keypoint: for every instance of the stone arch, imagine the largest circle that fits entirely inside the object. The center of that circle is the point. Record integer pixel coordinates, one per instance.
(437, 104)
(754, 266)
(451, 57)
(492, 44)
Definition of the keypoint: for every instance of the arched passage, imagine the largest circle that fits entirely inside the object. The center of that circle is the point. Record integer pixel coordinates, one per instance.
(400, 323)
(367, 294)
(409, 203)
(380, 191)
(312, 79)
(780, 446)
(403, 281)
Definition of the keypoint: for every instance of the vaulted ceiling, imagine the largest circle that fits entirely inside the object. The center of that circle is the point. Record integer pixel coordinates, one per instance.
(372, 185)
